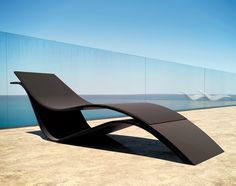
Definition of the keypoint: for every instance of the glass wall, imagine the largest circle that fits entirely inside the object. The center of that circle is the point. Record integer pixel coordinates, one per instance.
(3, 81)
(103, 76)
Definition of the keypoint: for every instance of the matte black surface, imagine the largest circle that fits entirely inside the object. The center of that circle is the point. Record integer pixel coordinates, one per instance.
(189, 140)
(58, 111)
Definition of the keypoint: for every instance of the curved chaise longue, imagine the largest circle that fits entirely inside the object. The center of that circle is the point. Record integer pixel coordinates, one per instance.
(58, 111)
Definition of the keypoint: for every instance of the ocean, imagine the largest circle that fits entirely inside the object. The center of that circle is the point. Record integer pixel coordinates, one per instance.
(16, 111)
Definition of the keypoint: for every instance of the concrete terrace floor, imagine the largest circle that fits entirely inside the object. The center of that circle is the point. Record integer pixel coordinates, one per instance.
(131, 157)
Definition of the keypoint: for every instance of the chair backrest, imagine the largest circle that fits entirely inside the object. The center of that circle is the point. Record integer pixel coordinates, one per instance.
(48, 90)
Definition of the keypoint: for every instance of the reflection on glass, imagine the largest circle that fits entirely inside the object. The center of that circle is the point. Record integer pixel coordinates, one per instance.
(103, 77)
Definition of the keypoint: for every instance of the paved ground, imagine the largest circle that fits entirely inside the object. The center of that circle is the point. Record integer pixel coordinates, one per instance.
(133, 157)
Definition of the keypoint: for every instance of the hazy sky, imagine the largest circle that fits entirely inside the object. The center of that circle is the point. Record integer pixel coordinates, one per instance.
(197, 32)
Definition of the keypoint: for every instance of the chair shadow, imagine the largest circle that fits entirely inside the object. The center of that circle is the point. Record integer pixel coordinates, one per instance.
(151, 148)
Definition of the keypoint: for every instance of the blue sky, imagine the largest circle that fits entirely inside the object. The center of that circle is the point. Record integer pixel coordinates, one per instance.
(197, 32)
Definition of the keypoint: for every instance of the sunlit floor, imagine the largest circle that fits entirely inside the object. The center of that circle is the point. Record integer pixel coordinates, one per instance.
(130, 157)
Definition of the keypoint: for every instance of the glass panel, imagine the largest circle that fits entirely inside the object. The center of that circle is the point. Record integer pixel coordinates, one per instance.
(110, 73)
(174, 85)
(91, 73)
(31, 54)
(219, 88)
(3, 81)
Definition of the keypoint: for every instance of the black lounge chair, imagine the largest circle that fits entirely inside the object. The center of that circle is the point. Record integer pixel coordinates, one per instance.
(58, 111)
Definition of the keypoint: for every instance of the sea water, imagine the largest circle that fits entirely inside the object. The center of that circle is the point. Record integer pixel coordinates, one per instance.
(16, 111)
